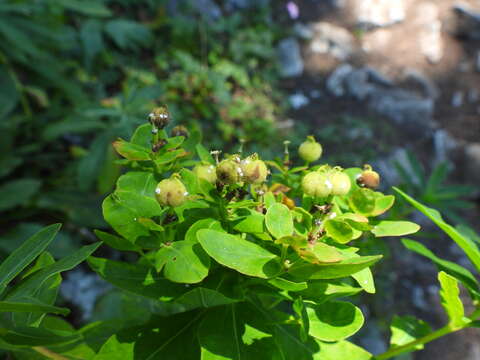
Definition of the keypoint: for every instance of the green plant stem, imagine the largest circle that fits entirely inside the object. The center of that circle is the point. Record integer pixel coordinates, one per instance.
(448, 329)
(411, 345)
(48, 353)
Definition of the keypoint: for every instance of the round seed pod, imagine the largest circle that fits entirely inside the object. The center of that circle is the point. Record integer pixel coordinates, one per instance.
(341, 184)
(369, 178)
(229, 172)
(180, 130)
(310, 150)
(254, 170)
(316, 184)
(171, 192)
(206, 172)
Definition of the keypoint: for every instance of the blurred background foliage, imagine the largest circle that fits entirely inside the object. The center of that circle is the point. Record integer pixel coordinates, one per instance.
(75, 75)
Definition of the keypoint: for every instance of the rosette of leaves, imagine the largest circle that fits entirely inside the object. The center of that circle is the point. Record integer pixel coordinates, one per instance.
(233, 272)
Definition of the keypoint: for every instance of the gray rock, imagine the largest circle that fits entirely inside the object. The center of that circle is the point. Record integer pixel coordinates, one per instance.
(83, 290)
(332, 39)
(298, 100)
(289, 57)
(468, 22)
(457, 99)
(378, 13)
(443, 145)
(372, 339)
(335, 82)
(404, 108)
(302, 31)
(477, 61)
(429, 88)
(473, 95)
(472, 162)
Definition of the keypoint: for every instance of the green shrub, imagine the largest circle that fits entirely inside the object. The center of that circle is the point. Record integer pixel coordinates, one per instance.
(227, 268)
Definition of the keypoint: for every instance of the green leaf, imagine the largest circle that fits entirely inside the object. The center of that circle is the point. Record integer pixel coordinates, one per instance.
(141, 183)
(183, 262)
(17, 192)
(122, 219)
(320, 291)
(341, 269)
(342, 350)
(451, 268)
(73, 126)
(36, 280)
(382, 203)
(201, 297)
(394, 228)
(362, 201)
(128, 34)
(210, 223)
(115, 349)
(468, 246)
(116, 242)
(143, 136)
(334, 320)
(238, 254)
(279, 220)
(136, 278)
(86, 7)
(364, 278)
(339, 230)
(131, 151)
(26, 253)
(406, 329)
(287, 285)
(252, 224)
(9, 95)
(143, 206)
(204, 154)
(7, 306)
(451, 302)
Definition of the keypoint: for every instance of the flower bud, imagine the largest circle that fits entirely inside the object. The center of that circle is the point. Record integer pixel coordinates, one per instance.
(159, 118)
(206, 172)
(171, 192)
(254, 170)
(340, 183)
(310, 150)
(368, 178)
(317, 184)
(229, 171)
(180, 130)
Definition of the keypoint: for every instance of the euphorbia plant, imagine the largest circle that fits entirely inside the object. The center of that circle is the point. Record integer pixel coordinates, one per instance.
(246, 264)
(229, 257)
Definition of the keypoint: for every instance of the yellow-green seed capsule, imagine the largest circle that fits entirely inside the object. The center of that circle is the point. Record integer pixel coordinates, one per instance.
(316, 184)
(206, 172)
(341, 184)
(254, 170)
(229, 172)
(310, 150)
(171, 192)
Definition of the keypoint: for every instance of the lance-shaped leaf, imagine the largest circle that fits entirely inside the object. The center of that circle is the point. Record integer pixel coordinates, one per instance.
(131, 151)
(26, 253)
(406, 329)
(34, 306)
(394, 228)
(467, 245)
(450, 297)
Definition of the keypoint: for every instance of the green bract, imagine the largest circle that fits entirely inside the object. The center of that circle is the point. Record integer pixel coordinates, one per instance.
(310, 150)
(228, 272)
